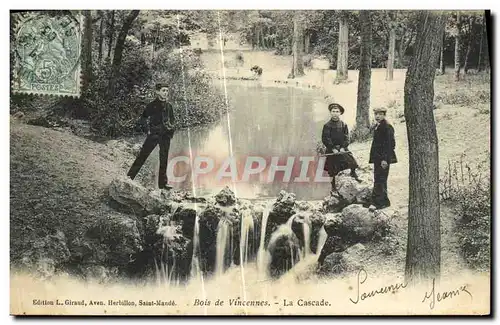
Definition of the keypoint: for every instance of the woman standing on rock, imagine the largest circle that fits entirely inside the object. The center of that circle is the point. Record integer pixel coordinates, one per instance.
(335, 137)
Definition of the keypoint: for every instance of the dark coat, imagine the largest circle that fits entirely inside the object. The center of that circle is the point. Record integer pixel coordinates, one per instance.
(383, 144)
(335, 135)
(158, 118)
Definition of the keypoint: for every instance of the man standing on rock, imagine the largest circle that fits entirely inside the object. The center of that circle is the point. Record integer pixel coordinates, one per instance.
(159, 121)
(335, 137)
(382, 155)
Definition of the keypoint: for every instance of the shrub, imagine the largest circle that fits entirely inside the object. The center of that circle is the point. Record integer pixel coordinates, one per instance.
(195, 100)
(116, 115)
(468, 191)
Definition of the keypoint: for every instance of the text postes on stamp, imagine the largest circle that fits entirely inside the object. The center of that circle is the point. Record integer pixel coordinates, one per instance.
(47, 50)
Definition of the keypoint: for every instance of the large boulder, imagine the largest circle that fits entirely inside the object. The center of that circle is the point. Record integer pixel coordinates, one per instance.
(349, 260)
(347, 188)
(280, 213)
(349, 191)
(185, 215)
(283, 208)
(113, 240)
(333, 203)
(359, 222)
(136, 199)
(225, 197)
(355, 224)
(311, 220)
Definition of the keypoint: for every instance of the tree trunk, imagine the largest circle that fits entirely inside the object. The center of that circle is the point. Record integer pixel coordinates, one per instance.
(457, 49)
(423, 254)
(87, 59)
(400, 54)
(307, 44)
(469, 44)
(390, 60)
(111, 32)
(480, 55)
(343, 49)
(257, 36)
(363, 101)
(298, 47)
(442, 66)
(120, 43)
(101, 35)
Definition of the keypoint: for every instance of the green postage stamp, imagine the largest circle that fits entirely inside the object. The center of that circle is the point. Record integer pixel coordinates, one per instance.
(47, 48)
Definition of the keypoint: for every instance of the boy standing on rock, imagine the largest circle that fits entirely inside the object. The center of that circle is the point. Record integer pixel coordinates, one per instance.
(159, 121)
(335, 137)
(382, 155)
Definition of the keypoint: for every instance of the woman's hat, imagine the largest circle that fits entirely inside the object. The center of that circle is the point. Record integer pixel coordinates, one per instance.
(337, 106)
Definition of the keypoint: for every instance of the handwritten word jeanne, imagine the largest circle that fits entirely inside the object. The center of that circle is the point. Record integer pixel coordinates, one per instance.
(440, 296)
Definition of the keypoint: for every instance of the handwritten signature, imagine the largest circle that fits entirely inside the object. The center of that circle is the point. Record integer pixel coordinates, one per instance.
(440, 296)
(362, 277)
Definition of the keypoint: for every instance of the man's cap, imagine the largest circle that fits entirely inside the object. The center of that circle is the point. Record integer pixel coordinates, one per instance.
(160, 85)
(380, 110)
(337, 106)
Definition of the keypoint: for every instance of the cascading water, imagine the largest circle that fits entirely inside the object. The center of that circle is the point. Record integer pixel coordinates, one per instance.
(196, 272)
(247, 225)
(223, 245)
(307, 236)
(284, 230)
(321, 240)
(262, 254)
(163, 274)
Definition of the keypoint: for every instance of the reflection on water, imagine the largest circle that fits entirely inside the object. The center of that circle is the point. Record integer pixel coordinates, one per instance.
(282, 122)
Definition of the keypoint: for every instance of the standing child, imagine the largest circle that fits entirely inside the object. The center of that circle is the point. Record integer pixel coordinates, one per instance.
(158, 118)
(382, 155)
(335, 137)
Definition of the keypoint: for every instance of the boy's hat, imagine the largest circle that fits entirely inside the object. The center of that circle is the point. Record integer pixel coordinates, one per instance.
(160, 85)
(337, 106)
(380, 110)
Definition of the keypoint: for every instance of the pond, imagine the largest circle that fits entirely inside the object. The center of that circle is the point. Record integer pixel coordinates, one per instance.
(267, 125)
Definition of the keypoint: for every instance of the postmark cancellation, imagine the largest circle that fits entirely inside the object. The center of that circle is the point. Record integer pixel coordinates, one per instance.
(46, 49)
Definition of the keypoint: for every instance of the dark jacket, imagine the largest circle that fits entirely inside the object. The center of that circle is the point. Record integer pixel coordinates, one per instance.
(158, 118)
(335, 135)
(383, 144)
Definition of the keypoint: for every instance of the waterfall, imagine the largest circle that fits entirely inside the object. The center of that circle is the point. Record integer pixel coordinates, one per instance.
(247, 225)
(222, 245)
(262, 254)
(321, 240)
(283, 230)
(163, 274)
(307, 236)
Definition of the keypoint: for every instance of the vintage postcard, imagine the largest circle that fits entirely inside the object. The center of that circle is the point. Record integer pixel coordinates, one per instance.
(250, 162)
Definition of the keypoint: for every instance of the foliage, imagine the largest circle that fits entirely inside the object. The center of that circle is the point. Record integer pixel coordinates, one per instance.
(467, 189)
(196, 101)
(117, 115)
